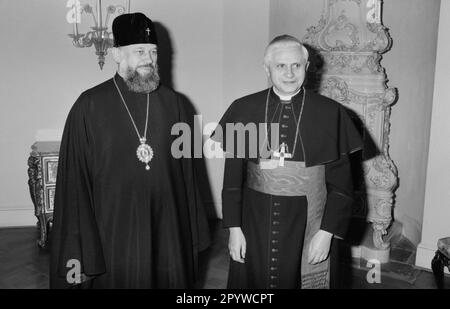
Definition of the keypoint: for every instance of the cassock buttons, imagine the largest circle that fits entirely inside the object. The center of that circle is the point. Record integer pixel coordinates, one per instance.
(285, 116)
(274, 250)
(272, 268)
(276, 204)
(275, 232)
(283, 135)
(275, 222)
(284, 126)
(272, 286)
(276, 213)
(274, 241)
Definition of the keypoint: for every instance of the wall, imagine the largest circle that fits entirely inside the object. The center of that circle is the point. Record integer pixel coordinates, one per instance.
(42, 75)
(217, 46)
(409, 66)
(293, 16)
(436, 217)
(246, 34)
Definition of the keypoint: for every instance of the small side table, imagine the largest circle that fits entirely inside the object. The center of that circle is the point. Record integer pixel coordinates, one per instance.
(441, 260)
(43, 166)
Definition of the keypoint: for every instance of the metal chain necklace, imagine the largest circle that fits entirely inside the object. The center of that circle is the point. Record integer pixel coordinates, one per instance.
(297, 122)
(144, 152)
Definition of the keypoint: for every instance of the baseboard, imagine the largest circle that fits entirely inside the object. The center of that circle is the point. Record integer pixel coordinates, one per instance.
(12, 217)
(424, 256)
(412, 229)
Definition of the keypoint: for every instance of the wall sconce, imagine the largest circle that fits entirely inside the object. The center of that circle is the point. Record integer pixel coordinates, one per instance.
(99, 36)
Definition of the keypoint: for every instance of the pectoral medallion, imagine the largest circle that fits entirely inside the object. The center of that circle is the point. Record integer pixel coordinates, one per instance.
(144, 153)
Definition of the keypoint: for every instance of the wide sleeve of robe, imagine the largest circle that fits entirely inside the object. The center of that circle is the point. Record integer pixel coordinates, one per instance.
(338, 177)
(338, 208)
(235, 167)
(74, 236)
(232, 192)
(191, 166)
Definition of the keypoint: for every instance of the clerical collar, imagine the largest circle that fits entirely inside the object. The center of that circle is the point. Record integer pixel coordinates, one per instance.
(286, 98)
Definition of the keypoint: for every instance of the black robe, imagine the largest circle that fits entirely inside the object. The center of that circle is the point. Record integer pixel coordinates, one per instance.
(128, 227)
(274, 226)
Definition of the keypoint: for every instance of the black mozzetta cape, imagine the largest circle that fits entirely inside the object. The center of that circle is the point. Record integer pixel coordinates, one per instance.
(128, 227)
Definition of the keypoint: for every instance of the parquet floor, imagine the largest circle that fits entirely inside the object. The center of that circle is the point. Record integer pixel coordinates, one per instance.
(23, 265)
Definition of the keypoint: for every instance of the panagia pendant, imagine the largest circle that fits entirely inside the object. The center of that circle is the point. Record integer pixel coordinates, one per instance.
(144, 154)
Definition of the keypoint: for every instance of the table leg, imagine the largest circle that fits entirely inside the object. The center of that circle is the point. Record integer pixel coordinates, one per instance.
(437, 265)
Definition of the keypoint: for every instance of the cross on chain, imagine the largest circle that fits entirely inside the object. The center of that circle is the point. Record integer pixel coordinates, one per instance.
(148, 31)
(282, 154)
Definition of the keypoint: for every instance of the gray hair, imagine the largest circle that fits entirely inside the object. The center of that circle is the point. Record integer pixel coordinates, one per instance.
(286, 40)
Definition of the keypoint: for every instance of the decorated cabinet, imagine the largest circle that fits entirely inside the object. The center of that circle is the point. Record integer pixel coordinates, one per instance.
(42, 169)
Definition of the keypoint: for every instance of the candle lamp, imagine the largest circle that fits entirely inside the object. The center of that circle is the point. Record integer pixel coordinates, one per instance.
(99, 36)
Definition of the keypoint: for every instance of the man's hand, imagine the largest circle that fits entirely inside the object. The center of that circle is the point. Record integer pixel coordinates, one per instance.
(237, 245)
(319, 248)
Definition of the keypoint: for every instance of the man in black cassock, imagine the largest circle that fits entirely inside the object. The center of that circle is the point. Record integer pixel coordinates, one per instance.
(284, 205)
(127, 213)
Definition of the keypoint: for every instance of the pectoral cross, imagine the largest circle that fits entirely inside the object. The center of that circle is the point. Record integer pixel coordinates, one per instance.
(148, 31)
(282, 154)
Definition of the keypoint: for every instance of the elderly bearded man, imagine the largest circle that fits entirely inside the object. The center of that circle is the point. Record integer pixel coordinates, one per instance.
(126, 211)
(282, 211)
